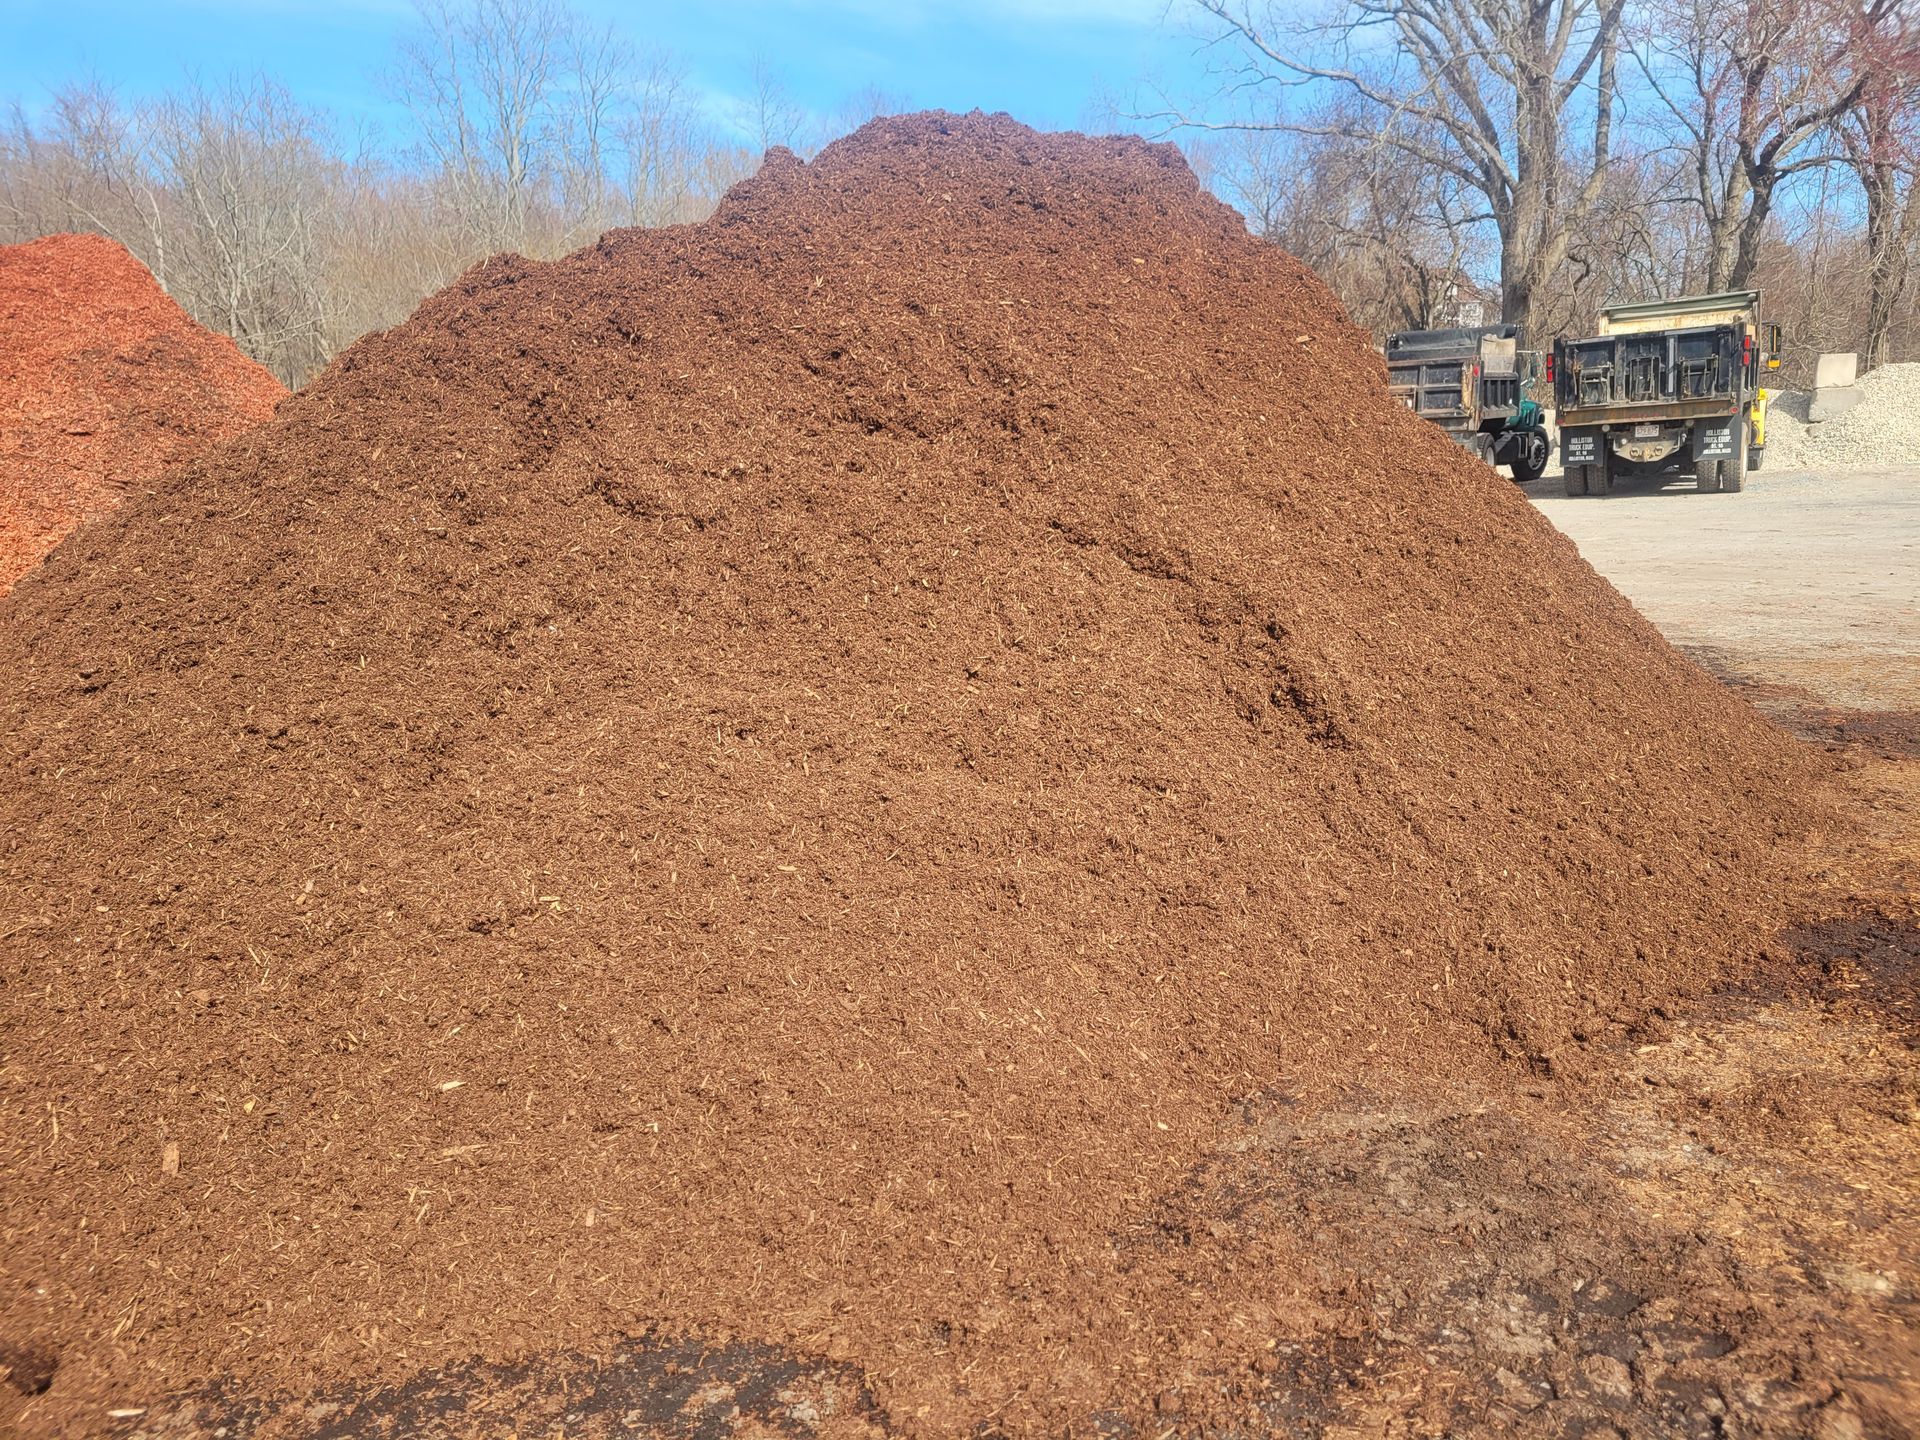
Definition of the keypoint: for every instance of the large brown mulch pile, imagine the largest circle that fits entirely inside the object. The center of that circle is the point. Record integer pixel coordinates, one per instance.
(104, 381)
(777, 779)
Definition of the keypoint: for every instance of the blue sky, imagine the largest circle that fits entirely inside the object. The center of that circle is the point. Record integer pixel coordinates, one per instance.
(1046, 61)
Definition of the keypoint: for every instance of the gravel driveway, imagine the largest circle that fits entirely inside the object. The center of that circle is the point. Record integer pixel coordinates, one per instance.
(1807, 579)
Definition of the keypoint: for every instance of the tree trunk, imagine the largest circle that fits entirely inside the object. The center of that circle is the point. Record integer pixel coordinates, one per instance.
(1753, 231)
(1723, 232)
(1516, 301)
(1877, 181)
(1871, 155)
(1537, 223)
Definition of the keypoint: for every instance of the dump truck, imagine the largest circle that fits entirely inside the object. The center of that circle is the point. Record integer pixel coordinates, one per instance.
(1666, 385)
(1472, 382)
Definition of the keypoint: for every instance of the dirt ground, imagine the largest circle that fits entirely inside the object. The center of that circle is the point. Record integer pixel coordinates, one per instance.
(1704, 1225)
(1806, 579)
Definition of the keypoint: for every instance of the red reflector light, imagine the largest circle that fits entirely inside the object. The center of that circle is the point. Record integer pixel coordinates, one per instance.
(1549, 369)
(1746, 350)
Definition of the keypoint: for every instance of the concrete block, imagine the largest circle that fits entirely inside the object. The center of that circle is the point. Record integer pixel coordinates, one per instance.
(1831, 371)
(1831, 402)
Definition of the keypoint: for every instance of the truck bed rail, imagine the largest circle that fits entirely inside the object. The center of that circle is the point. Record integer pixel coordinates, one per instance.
(1662, 368)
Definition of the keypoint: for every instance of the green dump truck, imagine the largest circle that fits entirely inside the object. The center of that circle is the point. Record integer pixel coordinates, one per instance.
(1472, 382)
(1667, 385)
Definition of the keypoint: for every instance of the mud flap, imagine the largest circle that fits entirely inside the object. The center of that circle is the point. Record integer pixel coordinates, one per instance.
(1581, 447)
(1715, 439)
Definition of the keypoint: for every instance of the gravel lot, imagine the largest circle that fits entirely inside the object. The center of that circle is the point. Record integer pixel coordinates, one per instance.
(1808, 579)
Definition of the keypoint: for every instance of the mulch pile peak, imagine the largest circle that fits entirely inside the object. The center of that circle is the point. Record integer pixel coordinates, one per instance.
(104, 381)
(780, 779)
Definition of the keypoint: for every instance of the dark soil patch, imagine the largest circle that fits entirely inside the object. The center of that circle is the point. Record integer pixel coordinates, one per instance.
(678, 1389)
(1870, 962)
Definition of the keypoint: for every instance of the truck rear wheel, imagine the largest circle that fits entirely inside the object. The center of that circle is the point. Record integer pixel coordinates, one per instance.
(1756, 454)
(1575, 479)
(1600, 477)
(1706, 474)
(1733, 469)
(1531, 449)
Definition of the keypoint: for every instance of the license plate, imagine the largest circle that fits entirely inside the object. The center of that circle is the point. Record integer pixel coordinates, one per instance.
(1646, 432)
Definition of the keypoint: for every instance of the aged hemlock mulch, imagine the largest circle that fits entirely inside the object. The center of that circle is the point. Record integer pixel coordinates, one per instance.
(776, 779)
(104, 381)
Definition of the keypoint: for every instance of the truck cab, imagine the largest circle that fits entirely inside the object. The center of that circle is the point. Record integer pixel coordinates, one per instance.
(1667, 385)
(1471, 381)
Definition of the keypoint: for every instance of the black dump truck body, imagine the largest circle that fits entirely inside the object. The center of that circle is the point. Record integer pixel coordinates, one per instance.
(1670, 383)
(1471, 381)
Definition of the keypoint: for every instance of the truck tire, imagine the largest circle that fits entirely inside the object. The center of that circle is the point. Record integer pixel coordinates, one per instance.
(1733, 469)
(1530, 456)
(1706, 474)
(1755, 455)
(1575, 480)
(1600, 477)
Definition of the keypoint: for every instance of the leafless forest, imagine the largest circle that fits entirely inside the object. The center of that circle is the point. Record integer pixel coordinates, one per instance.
(1541, 158)
(1434, 160)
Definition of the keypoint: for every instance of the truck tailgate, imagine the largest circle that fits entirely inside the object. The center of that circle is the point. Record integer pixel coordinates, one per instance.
(1697, 370)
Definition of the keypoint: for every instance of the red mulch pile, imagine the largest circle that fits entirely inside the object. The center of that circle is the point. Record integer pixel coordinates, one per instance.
(779, 778)
(104, 381)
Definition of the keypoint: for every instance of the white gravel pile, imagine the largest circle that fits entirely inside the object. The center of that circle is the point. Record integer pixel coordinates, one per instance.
(1883, 429)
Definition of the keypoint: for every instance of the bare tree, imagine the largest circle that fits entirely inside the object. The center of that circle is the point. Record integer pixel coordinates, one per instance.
(1880, 144)
(1812, 268)
(1394, 238)
(533, 128)
(869, 102)
(1750, 89)
(773, 115)
(248, 174)
(596, 74)
(543, 128)
(480, 81)
(1632, 243)
(1259, 172)
(85, 170)
(65, 172)
(674, 166)
(1482, 90)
